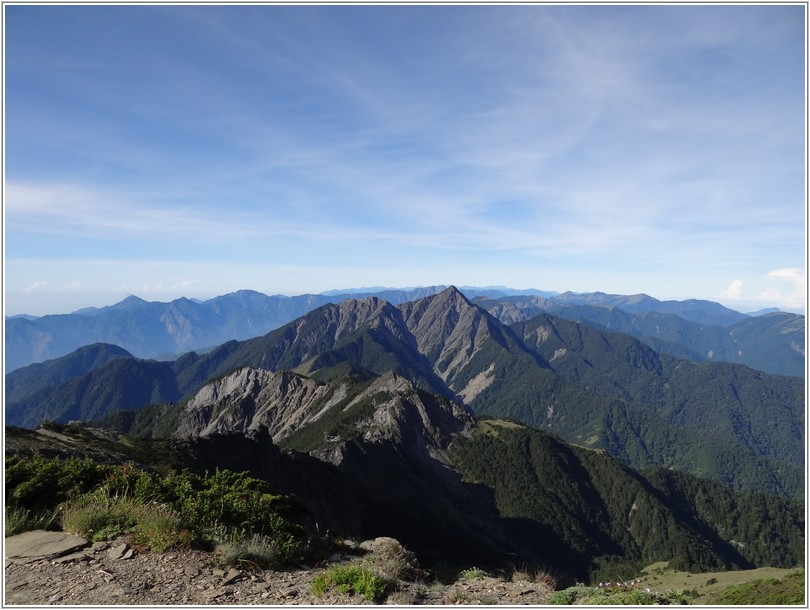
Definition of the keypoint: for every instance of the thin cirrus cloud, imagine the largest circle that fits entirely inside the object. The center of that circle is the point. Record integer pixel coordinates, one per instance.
(650, 138)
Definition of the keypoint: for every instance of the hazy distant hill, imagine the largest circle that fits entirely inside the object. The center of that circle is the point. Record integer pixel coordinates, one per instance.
(154, 329)
(695, 310)
(599, 390)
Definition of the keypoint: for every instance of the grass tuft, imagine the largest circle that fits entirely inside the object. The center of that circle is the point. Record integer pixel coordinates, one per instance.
(19, 520)
(258, 552)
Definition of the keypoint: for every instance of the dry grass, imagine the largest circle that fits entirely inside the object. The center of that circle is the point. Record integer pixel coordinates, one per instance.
(535, 576)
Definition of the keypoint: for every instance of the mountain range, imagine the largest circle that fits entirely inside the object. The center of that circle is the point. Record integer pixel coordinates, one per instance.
(596, 389)
(475, 438)
(698, 330)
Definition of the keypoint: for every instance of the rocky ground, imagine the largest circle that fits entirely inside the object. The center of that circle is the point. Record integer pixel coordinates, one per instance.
(115, 573)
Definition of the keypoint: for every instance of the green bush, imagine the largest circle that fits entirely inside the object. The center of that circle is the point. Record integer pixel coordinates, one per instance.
(568, 596)
(239, 503)
(39, 483)
(353, 579)
(472, 573)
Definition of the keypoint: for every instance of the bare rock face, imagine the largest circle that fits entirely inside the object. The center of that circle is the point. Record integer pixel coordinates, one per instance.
(450, 331)
(283, 402)
(248, 399)
(409, 412)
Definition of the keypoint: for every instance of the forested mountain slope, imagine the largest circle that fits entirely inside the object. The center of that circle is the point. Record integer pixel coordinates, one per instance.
(378, 456)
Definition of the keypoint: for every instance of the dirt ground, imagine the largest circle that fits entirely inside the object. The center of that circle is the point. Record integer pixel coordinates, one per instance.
(94, 576)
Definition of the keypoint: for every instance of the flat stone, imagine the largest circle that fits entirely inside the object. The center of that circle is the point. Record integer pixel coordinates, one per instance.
(191, 571)
(78, 556)
(231, 576)
(118, 551)
(39, 544)
(128, 555)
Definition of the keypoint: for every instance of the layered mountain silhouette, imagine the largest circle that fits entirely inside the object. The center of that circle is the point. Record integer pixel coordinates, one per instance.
(599, 390)
(692, 329)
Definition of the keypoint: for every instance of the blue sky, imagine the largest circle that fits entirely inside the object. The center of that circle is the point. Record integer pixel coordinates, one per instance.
(184, 150)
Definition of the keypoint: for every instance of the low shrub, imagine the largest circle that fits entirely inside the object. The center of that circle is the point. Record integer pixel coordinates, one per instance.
(534, 575)
(472, 574)
(568, 596)
(39, 483)
(359, 580)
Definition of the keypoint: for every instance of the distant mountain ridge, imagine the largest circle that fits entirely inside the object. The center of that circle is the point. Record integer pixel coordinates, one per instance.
(600, 390)
(772, 342)
(164, 330)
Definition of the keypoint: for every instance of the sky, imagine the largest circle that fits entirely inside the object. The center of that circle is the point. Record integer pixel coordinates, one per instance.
(195, 150)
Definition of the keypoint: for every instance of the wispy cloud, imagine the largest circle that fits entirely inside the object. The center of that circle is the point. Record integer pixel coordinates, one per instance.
(666, 140)
(38, 285)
